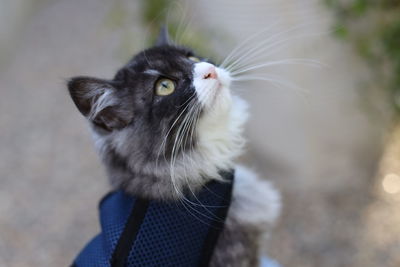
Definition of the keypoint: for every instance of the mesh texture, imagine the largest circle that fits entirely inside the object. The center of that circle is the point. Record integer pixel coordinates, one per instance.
(171, 234)
(114, 212)
(174, 234)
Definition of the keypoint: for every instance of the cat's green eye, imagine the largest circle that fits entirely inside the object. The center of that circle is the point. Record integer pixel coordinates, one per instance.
(165, 87)
(195, 59)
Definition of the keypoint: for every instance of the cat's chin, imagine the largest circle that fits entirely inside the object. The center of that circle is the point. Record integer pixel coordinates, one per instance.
(220, 139)
(224, 77)
(221, 95)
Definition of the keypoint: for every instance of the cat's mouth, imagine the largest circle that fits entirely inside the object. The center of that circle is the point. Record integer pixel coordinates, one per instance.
(210, 82)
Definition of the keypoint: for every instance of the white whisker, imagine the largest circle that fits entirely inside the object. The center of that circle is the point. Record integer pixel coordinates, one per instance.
(291, 61)
(263, 46)
(162, 146)
(242, 44)
(273, 80)
(257, 54)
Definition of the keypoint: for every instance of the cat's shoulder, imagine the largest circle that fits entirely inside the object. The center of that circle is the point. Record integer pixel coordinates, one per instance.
(254, 200)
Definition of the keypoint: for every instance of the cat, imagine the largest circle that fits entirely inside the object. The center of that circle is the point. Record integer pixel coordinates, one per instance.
(166, 125)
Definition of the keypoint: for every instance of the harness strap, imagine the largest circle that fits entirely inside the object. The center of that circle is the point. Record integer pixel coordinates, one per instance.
(216, 229)
(129, 234)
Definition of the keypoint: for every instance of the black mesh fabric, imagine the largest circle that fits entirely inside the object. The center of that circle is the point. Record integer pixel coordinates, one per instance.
(174, 234)
(171, 233)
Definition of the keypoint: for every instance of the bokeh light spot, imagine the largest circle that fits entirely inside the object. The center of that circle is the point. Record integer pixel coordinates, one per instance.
(391, 183)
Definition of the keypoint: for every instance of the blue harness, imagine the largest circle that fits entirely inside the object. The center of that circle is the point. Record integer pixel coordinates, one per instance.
(142, 232)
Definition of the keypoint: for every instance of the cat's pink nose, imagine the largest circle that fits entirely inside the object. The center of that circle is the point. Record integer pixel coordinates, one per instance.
(210, 73)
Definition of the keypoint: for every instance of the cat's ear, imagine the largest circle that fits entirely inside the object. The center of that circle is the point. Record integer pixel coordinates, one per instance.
(100, 102)
(163, 37)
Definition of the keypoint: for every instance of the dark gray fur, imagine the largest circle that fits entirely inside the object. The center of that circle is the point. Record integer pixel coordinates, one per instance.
(238, 245)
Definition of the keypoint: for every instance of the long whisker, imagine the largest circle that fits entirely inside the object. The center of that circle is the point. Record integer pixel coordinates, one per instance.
(290, 61)
(181, 26)
(242, 44)
(183, 134)
(273, 80)
(193, 119)
(261, 47)
(246, 60)
(162, 146)
(174, 151)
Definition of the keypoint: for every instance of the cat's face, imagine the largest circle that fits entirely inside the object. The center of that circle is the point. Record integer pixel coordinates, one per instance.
(158, 100)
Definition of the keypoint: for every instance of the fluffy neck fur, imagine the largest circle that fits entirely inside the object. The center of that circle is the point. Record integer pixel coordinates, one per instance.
(219, 142)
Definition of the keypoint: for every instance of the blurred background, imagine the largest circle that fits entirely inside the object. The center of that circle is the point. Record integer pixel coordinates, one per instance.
(327, 136)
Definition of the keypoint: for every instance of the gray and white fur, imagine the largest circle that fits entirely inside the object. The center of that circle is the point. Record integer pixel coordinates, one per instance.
(163, 147)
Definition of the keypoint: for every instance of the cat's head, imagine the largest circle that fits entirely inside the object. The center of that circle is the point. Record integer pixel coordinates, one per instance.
(168, 116)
